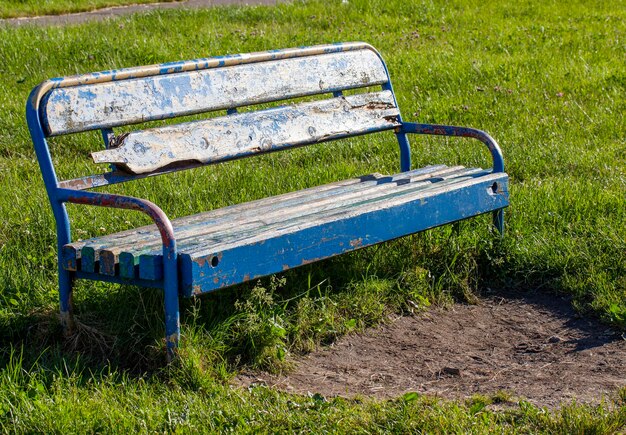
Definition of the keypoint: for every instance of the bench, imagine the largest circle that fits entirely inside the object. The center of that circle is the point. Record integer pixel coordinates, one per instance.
(220, 248)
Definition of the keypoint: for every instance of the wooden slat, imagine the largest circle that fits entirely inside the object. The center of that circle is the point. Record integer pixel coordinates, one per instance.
(238, 135)
(69, 257)
(112, 104)
(356, 228)
(244, 218)
(193, 230)
(127, 266)
(240, 228)
(88, 259)
(108, 264)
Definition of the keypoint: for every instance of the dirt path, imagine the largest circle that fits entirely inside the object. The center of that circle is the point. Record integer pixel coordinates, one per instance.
(101, 14)
(533, 346)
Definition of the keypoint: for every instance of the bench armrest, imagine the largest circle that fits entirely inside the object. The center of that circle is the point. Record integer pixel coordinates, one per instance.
(129, 203)
(449, 130)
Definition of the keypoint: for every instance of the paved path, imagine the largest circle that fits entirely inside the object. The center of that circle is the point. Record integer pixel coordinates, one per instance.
(101, 14)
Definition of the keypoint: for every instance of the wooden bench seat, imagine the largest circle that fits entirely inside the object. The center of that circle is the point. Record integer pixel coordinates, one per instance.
(325, 220)
(259, 103)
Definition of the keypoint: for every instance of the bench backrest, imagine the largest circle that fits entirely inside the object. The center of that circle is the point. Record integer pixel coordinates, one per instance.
(103, 101)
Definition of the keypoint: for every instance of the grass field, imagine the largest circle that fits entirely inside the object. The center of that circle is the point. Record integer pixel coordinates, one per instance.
(29, 8)
(547, 80)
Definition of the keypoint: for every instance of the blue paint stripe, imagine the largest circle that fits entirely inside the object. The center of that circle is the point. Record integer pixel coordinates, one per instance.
(127, 265)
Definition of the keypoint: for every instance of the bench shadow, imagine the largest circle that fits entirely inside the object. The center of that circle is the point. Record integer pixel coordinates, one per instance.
(594, 333)
(121, 327)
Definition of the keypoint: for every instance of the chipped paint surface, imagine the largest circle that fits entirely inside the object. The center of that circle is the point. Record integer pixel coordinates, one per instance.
(242, 221)
(299, 244)
(226, 137)
(356, 243)
(137, 100)
(224, 233)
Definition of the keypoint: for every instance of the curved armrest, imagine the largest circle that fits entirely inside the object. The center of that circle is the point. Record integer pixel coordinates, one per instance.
(449, 130)
(129, 203)
(170, 280)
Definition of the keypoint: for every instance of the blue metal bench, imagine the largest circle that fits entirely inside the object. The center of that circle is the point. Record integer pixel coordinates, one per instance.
(220, 248)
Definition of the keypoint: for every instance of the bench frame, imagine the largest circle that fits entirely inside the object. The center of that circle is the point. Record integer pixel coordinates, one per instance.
(74, 191)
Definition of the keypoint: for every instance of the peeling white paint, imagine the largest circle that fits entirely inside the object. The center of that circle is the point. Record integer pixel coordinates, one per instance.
(112, 104)
(235, 135)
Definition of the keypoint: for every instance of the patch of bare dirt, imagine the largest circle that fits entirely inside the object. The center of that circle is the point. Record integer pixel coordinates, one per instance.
(533, 346)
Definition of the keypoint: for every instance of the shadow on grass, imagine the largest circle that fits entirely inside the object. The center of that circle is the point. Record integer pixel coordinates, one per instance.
(120, 328)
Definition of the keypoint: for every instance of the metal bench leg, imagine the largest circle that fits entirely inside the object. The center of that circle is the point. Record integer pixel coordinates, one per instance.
(172, 315)
(498, 220)
(66, 280)
(65, 299)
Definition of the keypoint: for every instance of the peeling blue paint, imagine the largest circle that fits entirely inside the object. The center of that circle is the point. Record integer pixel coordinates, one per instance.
(85, 94)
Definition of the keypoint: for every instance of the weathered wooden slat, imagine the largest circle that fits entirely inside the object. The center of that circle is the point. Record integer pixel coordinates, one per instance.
(232, 136)
(356, 228)
(282, 206)
(219, 223)
(127, 266)
(149, 233)
(108, 263)
(151, 262)
(88, 259)
(352, 204)
(69, 257)
(112, 104)
(151, 267)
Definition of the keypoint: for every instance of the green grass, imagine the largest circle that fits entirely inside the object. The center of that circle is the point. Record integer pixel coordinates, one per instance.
(547, 80)
(44, 400)
(29, 8)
